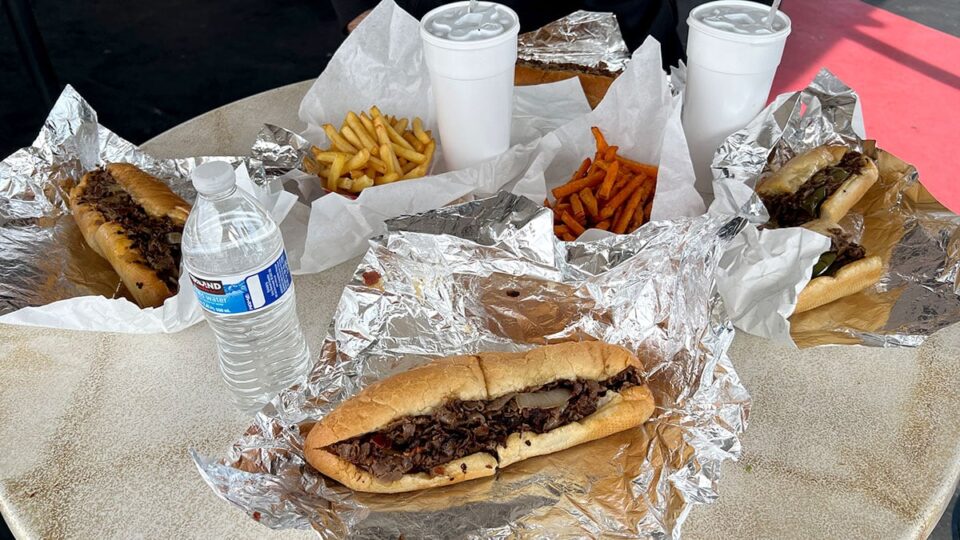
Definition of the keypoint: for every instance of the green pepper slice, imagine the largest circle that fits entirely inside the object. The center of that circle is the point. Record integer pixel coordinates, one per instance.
(824, 263)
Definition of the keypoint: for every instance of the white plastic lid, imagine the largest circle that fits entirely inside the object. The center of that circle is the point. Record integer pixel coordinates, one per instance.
(695, 22)
(213, 177)
(508, 32)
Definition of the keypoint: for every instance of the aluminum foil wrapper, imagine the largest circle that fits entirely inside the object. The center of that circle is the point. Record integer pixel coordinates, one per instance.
(583, 38)
(43, 257)
(826, 112)
(489, 275)
(281, 155)
(918, 241)
(279, 150)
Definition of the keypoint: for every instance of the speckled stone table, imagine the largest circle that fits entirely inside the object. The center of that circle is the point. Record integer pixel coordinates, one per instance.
(94, 428)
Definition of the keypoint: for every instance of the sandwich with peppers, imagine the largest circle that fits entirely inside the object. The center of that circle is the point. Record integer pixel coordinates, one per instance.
(815, 190)
(821, 184)
(843, 270)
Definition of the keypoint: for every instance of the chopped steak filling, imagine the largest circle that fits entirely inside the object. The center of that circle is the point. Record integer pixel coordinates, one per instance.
(156, 239)
(843, 251)
(460, 428)
(803, 205)
(567, 66)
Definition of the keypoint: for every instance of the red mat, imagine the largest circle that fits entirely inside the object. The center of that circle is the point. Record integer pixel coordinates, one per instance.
(907, 76)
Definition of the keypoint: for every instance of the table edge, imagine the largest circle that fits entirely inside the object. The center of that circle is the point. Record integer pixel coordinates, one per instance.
(169, 131)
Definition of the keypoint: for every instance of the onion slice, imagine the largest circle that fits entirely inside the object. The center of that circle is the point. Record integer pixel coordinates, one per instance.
(547, 399)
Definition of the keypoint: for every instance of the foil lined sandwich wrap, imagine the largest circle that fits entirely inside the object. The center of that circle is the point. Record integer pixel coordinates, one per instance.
(586, 39)
(489, 275)
(916, 237)
(43, 256)
(585, 44)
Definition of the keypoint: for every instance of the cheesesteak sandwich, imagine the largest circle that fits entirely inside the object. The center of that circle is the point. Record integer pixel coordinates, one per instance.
(822, 184)
(843, 270)
(134, 221)
(462, 417)
(594, 81)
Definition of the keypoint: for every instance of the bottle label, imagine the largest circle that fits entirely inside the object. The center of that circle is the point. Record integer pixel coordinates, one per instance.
(244, 293)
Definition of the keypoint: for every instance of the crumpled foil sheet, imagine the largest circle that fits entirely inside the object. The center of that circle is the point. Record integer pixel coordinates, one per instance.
(279, 151)
(822, 113)
(43, 257)
(677, 78)
(920, 291)
(583, 38)
(490, 275)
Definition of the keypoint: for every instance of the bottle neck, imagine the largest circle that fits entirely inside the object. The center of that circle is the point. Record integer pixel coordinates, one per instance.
(220, 194)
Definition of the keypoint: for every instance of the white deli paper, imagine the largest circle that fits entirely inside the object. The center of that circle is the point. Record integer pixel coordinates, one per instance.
(641, 117)
(380, 63)
(777, 264)
(99, 313)
(763, 271)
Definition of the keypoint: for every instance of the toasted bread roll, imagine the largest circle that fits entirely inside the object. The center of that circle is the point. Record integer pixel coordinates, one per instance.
(850, 279)
(788, 197)
(617, 414)
(850, 193)
(794, 173)
(595, 86)
(109, 192)
(608, 398)
(477, 465)
(409, 393)
(153, 195)
(593, 360)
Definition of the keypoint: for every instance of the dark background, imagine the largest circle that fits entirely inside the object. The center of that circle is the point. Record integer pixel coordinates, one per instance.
(148, 66)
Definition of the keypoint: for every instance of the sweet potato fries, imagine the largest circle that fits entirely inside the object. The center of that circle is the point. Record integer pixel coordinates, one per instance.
(609, 192)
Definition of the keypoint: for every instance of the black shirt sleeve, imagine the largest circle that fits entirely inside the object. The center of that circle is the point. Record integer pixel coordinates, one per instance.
(347, 10)
(641, 18)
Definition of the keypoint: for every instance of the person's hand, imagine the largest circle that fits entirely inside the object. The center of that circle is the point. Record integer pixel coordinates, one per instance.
(352, 25)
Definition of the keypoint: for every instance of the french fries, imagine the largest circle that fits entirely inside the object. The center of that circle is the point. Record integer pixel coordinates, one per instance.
(609, 192)
(372, 149)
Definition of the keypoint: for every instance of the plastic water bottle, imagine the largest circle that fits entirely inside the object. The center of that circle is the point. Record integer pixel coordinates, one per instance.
(233, 252)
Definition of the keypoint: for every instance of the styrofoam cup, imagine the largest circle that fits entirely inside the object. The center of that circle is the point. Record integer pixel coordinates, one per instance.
(729, 76)
(473, 89)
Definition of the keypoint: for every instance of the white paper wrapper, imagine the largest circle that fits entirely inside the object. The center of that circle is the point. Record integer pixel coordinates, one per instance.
(38, 246)
(639, 115)
(380, 64)
(776, 263)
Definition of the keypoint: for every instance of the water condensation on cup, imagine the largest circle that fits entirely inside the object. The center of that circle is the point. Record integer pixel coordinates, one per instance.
(490, 275)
